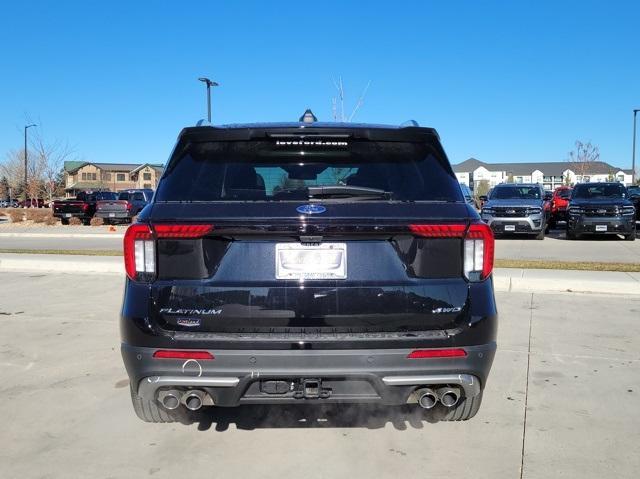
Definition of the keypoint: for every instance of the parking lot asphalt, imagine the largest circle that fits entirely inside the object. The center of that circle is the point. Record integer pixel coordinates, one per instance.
(562, 401)
(555, 247)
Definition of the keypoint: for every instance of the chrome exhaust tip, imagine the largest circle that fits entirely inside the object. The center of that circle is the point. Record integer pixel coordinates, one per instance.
(171, 399)
(193, 399)
(427, 398)
(449, 397)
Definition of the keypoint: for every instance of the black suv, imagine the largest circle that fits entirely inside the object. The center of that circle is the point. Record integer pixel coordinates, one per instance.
(287, 263)
(601, 208)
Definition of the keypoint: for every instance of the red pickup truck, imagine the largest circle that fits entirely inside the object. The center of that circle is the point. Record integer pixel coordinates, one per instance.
(559, 204)
(83, 206)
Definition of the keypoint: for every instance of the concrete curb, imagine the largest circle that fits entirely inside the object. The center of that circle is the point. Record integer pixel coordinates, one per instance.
(566, 281)
(63, 235)
(505, 279)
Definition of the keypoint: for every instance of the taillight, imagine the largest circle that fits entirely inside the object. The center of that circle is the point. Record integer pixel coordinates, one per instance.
(478, 245)
(140, 246)
(182, 231)
(129, 206)
(176, 354)
(139, 252)
(85, 206)
(437, 353)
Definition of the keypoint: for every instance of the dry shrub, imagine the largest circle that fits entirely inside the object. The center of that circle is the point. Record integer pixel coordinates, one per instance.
(95, 221)
(38, 215)
(75, 221)
(15, 214)
(50, 220)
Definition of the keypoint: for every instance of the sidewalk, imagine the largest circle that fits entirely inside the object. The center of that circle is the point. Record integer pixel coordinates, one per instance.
(505, 279)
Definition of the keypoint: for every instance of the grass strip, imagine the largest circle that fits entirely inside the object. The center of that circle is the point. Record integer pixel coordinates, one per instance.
(567, 265)
(73, 252)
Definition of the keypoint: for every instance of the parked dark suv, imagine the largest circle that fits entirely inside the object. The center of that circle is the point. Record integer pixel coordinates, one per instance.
(601, 208)
(288, 263)
(517, 208)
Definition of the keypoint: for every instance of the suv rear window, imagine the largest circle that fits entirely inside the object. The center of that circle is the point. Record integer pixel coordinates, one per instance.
(285, 170)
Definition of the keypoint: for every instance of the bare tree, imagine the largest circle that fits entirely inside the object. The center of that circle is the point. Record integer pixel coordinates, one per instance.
(339, 99)
(583, 157)
(47, 164)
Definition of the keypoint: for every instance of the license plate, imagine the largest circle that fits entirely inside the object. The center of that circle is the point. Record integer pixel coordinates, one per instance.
(314, 261)
(67, 215)
(509, 227)
(112, 215)
(601, 227)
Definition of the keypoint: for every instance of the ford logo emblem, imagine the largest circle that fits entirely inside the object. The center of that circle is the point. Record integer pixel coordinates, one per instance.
(311, 209)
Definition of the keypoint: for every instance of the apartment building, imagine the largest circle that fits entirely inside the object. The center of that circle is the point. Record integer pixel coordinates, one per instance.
(549, 174)
(82, 176)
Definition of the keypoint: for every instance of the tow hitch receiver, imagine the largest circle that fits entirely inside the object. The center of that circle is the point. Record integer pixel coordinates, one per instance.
(311, 389)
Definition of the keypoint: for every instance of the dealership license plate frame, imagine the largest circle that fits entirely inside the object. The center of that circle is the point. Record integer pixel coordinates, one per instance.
(510, 228)
(601, 228)
(308, 262)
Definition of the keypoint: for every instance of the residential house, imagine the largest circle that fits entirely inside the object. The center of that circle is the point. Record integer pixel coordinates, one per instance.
(549, 174)
(82, 176)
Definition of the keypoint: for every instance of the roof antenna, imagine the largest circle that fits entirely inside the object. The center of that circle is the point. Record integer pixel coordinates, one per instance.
(308, 117)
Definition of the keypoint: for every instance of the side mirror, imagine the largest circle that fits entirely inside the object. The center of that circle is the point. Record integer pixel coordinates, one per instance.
(483, 197)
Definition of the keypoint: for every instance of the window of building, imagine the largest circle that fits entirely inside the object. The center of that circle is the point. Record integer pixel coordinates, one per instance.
(120, 177)
(147, 186)
(89, 176)
(106, 176)
(146, 176)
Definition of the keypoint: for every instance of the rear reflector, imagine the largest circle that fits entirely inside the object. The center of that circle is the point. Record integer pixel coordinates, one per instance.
(173, 354)
(437, 353)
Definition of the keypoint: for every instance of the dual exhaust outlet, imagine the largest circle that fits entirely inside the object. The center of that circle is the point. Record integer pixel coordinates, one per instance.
(447, 396)
(193, 399)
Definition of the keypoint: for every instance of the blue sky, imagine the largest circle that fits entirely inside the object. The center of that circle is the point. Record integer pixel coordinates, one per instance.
(501, 81)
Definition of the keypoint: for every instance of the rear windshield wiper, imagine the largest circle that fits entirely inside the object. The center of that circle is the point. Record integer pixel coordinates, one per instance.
(346, 191)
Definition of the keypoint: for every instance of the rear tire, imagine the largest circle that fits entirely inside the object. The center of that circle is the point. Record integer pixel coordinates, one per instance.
(150, 411)
(64, 221)
(630, 237)
(571, 235)
(540, 236)
(464, 410)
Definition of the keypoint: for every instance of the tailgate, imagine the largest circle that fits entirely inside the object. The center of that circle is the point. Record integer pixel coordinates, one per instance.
(72, 207)
(237, 278)
(112, 206)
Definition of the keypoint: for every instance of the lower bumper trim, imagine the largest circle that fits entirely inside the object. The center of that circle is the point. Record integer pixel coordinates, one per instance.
(149, 386)
(469, 383)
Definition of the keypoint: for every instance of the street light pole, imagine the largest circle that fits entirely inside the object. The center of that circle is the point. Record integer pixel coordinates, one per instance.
(633, 156)
(209, 84)
(26, 127)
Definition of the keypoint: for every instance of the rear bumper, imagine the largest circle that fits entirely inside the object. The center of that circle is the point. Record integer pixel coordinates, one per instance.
(113, 215)
(237, 377)
(80, 215)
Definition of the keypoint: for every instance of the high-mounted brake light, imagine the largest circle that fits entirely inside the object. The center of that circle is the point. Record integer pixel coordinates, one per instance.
(479, 245)
(175, 354)
(437, 353)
